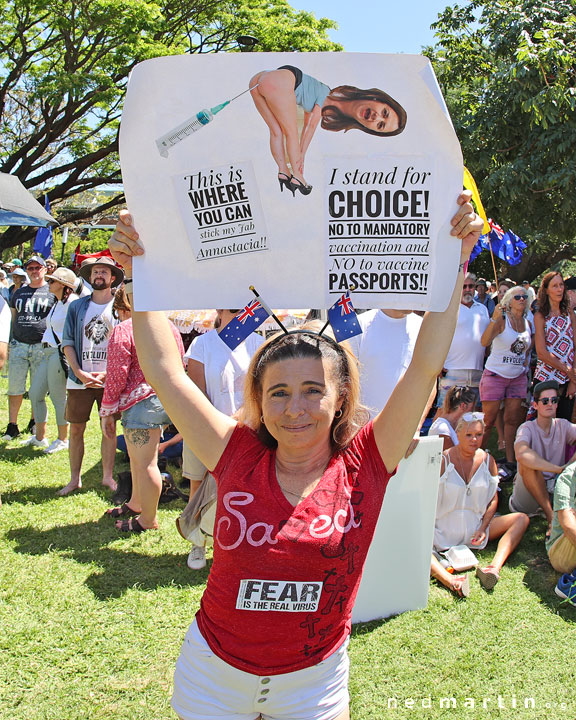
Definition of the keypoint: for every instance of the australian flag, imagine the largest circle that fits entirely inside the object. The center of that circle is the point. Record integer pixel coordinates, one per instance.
(342, 317)
(244, 324)
(505, 245)
(44, 236)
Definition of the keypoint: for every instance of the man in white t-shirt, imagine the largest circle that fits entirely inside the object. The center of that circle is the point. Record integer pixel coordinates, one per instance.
(219, 372)
(89, 324)
(540, 450)
(384, 350)
(465, 360)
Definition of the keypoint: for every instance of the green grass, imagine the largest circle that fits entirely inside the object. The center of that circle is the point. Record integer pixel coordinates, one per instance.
(91, 621)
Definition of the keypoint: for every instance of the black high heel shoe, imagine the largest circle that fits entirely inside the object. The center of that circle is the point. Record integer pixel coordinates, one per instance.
(285, 182)
(296, 184)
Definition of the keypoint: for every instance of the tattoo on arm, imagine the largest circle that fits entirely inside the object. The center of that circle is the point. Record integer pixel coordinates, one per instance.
(138, 436)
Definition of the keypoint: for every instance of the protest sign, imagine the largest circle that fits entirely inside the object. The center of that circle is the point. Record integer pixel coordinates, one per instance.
(303, 174)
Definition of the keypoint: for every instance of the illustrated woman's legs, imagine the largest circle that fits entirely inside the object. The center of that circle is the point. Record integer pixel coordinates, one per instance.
(276, 135)
(276, 88)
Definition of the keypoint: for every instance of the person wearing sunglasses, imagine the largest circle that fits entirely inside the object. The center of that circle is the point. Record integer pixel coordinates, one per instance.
(555, 330)
(540, 453)
(505, 376)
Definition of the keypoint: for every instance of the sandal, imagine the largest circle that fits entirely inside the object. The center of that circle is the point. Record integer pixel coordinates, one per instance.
(132, 525)
(488, 576)
(121, 511)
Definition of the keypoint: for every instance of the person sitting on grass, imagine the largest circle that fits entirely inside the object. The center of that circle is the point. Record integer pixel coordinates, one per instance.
(467, 503)
(540, 449)
(458, 400)
(561, 545)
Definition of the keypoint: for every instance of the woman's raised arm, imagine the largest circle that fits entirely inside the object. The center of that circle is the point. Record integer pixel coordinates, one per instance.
(205, 429)
(394, 426)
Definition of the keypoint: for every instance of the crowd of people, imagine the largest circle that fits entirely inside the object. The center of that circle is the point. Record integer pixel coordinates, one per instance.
(289, 443)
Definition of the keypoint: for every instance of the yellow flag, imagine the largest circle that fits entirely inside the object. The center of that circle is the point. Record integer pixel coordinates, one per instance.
(469, 184)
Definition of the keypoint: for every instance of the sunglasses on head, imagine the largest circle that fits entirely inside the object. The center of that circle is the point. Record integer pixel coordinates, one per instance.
(552, 401)
(473, 417)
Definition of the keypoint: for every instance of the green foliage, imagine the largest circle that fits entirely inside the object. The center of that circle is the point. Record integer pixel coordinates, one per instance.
(64, 66)
(508, 71)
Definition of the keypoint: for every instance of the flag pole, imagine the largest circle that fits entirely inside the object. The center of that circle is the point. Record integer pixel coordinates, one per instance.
(350, 289)
(268, 310)
(493, 263)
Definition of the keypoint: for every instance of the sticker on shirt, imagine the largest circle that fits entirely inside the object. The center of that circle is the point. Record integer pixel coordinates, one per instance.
(280, 595)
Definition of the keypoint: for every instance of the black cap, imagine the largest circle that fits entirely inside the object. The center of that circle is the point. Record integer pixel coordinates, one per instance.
(545, 385)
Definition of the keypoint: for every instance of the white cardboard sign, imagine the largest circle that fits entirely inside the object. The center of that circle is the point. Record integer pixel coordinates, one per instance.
(200, 169)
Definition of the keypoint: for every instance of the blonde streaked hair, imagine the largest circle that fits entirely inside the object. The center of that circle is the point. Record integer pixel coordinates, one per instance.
(306, 343)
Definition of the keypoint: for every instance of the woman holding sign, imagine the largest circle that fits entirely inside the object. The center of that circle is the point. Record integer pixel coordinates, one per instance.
(301, 480)
(277, 95)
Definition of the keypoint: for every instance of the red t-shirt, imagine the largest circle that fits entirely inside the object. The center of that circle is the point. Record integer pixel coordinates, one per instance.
(284, 579)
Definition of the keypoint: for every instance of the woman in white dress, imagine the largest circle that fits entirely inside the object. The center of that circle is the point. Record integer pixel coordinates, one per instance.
(466, 508)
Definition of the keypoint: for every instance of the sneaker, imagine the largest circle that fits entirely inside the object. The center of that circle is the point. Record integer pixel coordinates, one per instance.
(34, 442)
(31, 427)
(56, 446)
(11, 432)
(196, 558)
(566, 588)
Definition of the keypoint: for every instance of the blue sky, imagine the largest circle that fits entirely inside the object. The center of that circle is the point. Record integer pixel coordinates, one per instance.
(379, 25)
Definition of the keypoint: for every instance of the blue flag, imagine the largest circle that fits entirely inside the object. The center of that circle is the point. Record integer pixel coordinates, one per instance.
(342, 317)
(44, 236)
(244, 324)
(510, 248)
(505, 245)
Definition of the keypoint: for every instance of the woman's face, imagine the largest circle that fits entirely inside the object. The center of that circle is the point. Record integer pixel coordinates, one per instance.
(299, 401)
(470, 436)
(519, 306)
(555, 289)
(56, 288)
(377, 116)
(502, 290)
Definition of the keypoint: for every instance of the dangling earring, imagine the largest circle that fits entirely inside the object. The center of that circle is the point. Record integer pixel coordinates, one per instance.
(338, 414)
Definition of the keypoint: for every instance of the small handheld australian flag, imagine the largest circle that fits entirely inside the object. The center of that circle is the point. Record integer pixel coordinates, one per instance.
(343, 319)
(244, 324)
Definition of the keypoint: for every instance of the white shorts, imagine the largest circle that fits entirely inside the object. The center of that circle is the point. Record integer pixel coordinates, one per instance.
(206, 687)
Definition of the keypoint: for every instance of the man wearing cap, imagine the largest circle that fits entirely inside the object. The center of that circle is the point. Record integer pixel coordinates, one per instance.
(30, 305)
(540, 453)
(482, 296)
(89, 324)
